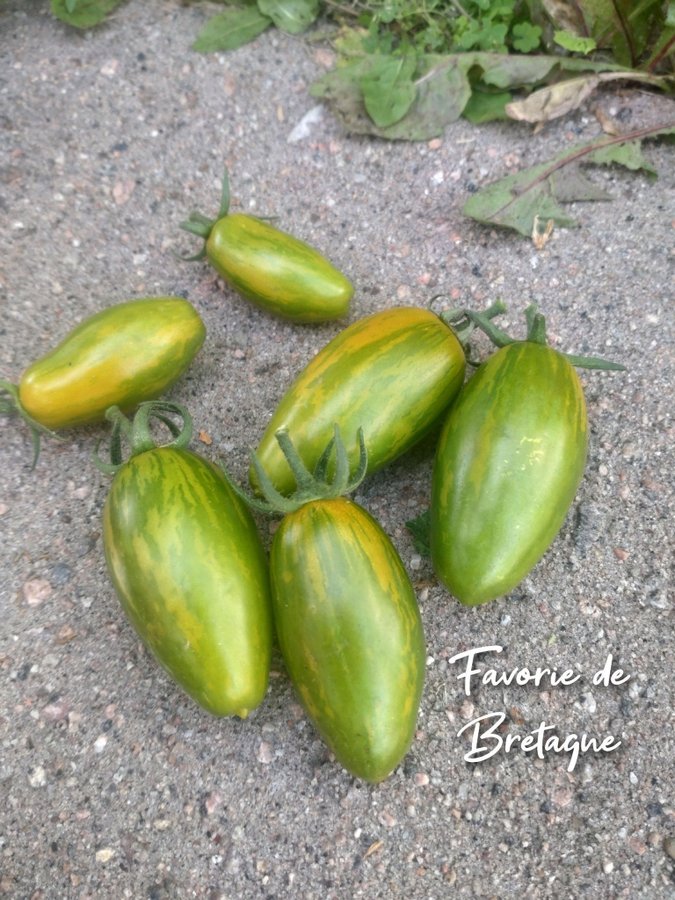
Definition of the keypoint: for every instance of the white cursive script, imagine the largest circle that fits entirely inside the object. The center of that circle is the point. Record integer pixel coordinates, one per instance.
(486, 741)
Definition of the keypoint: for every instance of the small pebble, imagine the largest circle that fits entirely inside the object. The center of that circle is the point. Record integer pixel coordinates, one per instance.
(385, 818)
(669, 846)
(38, 777)
(467, 709)
(104, 855)
(265, 754)
(36, 591)
(212, 802)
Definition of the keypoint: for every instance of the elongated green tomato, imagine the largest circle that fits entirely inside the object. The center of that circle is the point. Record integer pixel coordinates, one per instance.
(393, 373)
(509, 461)
(346, 617)
(187, 563)
(120, 356)
(273, 269)
(350, 633)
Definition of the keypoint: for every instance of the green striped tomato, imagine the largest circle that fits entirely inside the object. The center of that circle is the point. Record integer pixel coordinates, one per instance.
(276, 271)
(120, 356)
(508, 464)
(350, 632)
(392, 373)
(188, 566)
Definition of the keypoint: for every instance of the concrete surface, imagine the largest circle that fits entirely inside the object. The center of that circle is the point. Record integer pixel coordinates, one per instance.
(113, 784)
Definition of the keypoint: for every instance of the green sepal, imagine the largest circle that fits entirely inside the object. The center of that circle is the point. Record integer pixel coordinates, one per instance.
(12, 404)
(201, 225)
(536, 333)
(309, 486)
(463, 325)
(137, 432)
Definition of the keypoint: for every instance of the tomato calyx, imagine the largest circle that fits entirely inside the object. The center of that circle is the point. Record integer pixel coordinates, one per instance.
(463, 326)
(11, 403)
(201, 225)
(138, 435)
(310, 486)
(536, 334)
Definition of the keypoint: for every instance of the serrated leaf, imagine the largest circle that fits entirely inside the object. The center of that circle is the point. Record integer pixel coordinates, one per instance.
(388, 89)
(292, 16)
(233, 28)
(517, 201)
(83, 13)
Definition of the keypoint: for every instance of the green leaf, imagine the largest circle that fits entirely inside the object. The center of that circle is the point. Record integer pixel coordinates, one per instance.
(483, 107)
(525, 37)
(574, 42)
(442, 91)
(519, 200)
(83, 13)
(231, 29)
(443, 85)
(624, 26)
(629, 155)
(292, 16)
(662, 50)
(388, 89)
(419, 529)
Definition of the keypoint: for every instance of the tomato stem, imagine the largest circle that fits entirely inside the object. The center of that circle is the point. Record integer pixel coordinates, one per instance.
(10, 404)
(536, 333)
(460, 322)
(309, 486)
(201, 225)
(224, 194)
(536, 325)
(137, 432)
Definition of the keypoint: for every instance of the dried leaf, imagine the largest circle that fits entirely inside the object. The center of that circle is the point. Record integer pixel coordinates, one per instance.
(554, 101)
(540, 237)
(608, 124)
(560, 99)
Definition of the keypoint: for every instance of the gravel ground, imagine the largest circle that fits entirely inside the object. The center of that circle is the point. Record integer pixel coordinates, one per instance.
(114, 784)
